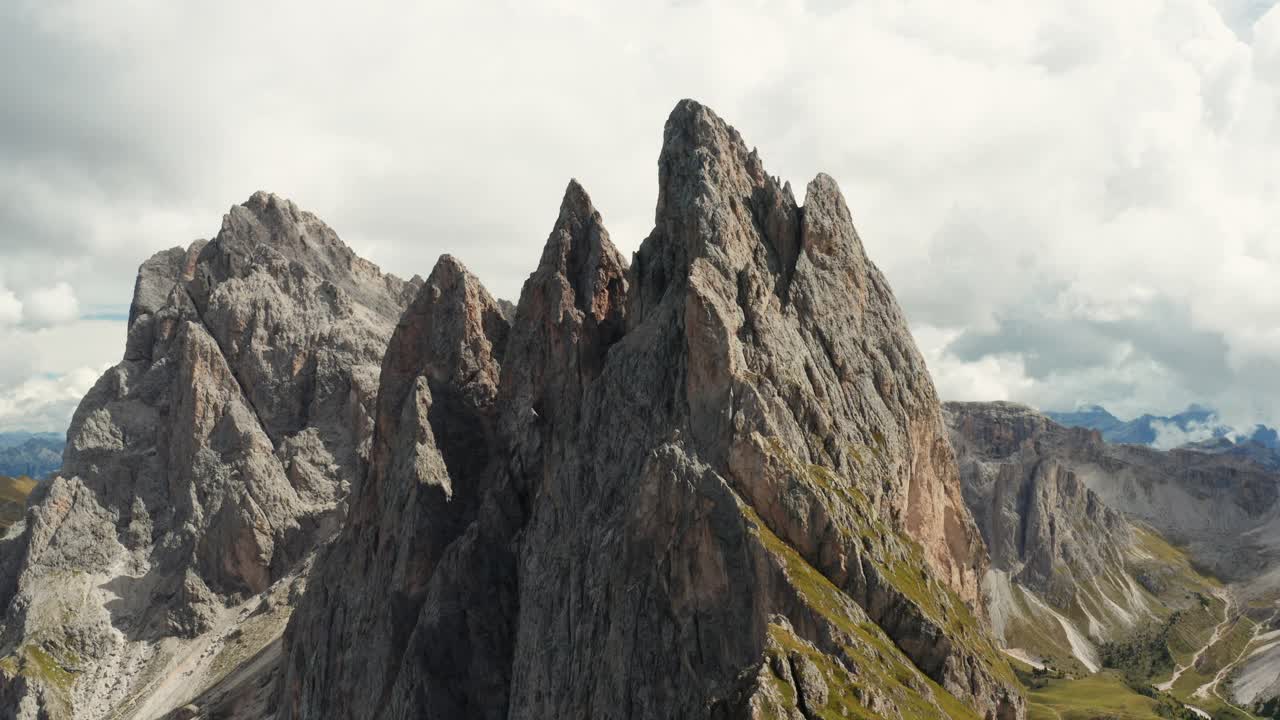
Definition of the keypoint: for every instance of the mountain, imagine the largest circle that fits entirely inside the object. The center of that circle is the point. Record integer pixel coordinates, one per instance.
(13, 499)
(1157, 564)
(33, 455)
(1068, 572)
(17, 437)
(1193, 425)
(200, 473)
(711, 483)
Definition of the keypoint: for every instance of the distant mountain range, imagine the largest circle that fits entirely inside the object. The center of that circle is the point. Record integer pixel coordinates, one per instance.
(1196, 426)
(32, 454)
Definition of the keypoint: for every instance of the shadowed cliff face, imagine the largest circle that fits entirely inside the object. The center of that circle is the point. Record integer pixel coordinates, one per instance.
(205, 466)
(714, 483)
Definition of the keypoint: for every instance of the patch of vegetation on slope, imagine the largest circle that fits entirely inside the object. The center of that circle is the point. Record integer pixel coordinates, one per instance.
(898, 560)
(54, 669)
(1191, 628)
(1205, 641)
(1218, 656)
(885, 673)
(1143, 617)
(13, 499)
(1029, 625)
(1102, 695)
(1142, 655)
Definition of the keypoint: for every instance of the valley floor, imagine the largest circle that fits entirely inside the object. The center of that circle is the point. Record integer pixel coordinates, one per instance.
(1198, 687)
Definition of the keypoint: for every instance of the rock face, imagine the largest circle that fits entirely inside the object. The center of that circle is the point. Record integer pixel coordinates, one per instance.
(1068, 572)
(1223, 506)
(1041, 524)
(715, 483)
(201, 471)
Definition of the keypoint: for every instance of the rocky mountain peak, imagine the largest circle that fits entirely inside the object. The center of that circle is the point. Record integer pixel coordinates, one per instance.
(712, 483)
(457, 324)
(579, 250)
(713, 193)
(571, 310)
(203, 469)
(268, 232)
(686, 451)
(1042, 524)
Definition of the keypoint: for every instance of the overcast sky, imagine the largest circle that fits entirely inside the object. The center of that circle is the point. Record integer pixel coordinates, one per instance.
(1075, 202)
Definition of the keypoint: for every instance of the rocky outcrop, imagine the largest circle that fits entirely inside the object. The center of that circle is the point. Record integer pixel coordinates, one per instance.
(1222, 506)
(199, 472)
(1068, 571)
(1042, 525)
(714, 483)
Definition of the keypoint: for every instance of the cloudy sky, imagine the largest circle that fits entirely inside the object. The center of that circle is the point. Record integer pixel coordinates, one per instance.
(1075, 201)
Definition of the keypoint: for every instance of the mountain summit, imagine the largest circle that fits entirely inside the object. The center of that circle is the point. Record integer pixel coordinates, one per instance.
(200, 472)
(711, 482)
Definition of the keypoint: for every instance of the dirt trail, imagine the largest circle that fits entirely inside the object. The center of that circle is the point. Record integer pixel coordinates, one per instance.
(1217, 635)
(1212, 686)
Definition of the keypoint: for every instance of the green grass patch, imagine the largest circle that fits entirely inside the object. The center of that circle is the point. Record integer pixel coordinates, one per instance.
(1192, 627)
(898, 559)
(41, 665)
(1103, 695)
(13, 499)
(866, 644)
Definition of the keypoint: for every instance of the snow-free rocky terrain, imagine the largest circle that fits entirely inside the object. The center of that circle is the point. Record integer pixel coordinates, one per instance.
(1157, 564)
(200, 472)
(714, 481)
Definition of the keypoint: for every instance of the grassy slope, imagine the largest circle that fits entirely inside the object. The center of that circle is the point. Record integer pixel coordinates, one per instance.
(883, 665)
(1104, 694)
(1188, 611)
(1174, 592)
(13, 498)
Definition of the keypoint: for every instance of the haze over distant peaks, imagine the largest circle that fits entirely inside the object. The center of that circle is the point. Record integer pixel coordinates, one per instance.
(1197, 424)
(32, 454)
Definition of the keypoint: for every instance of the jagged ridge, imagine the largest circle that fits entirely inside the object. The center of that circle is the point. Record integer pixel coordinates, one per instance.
(200, 471)
(673, 475)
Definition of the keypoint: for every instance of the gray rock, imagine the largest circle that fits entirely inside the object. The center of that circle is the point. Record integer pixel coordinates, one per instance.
(1223, 507)
(1041, 523)
(207, 464)
(616, 506)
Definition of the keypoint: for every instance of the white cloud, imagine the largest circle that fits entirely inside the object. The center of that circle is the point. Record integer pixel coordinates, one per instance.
(10, 308)
(45, 403)
(1078, 198)
(50, 306)
(43, 373)
(1169, 435)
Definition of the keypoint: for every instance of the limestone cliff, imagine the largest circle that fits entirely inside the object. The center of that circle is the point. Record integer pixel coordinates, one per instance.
(200, 472)
(712, 483)
(1068, 572)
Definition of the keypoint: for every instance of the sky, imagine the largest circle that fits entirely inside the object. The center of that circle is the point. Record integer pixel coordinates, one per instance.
(1075, 202)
